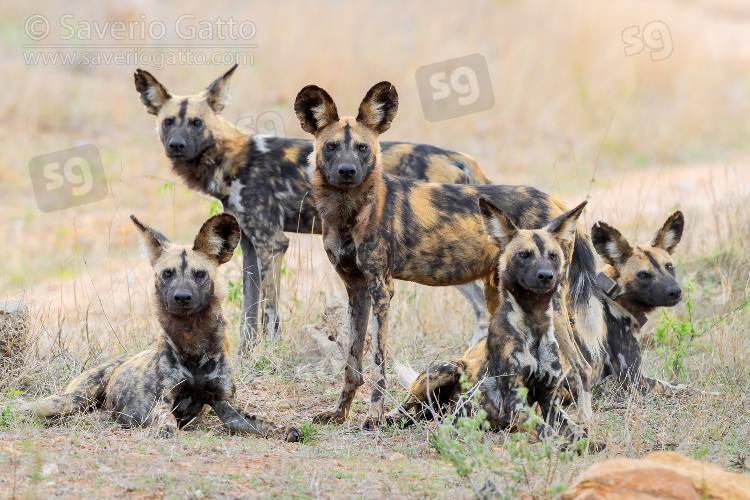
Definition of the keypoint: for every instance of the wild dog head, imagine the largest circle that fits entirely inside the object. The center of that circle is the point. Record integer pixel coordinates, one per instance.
(531, 260)
(184, 275)
(186, 124)
(645, 274)
(346, 149)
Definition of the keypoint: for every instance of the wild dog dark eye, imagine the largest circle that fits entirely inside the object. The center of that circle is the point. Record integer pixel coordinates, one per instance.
(197, 122)
(168, 122)
(331, 146)
(669, 266)
(643, 275)
(524, 254)
(166, 274)
(200, 274)
(363, 147)
(552, 256)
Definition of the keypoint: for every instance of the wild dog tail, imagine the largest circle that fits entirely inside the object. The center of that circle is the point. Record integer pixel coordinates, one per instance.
(472, 170)
(587, 310)
(405, 373)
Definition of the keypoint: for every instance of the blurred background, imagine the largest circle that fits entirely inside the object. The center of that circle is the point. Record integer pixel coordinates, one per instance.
(639, 106)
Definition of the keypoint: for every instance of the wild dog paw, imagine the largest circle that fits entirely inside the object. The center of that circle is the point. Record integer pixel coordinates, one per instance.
(371, 424)
(330, 417)
(584, 444)
(288, 434)
(398, 421)
(166, 432)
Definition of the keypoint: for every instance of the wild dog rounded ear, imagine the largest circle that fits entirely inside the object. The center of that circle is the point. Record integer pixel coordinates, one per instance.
(378, 108)
(217, 94)
(670, 234)
(609, 243)
(218, 237)
(499, 227)
(153, 93)
(563, 228)
(315, 109)
(153, 241)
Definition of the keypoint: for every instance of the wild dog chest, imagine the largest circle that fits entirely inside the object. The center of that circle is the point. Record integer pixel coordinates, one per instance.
(206, 377)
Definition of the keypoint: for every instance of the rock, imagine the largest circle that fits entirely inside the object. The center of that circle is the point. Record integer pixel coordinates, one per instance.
(50, 469)
(396, 456)
(322, 342)
(659, 475)
(103, 469)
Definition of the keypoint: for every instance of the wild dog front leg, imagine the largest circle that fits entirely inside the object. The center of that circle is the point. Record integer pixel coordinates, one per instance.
(164, 421)
(249, 329)
(564, 325)
(359, 311)
(626, 366)
(381, 290)
(270, 257)
(237, 420)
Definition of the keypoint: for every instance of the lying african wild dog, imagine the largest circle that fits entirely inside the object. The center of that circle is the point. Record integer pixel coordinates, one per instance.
(263, 181)
(377, 227)
(637, 280)
(169, 386)
(521, 350)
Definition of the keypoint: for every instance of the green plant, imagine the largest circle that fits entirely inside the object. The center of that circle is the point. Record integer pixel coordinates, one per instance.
(675, 338)
(534, 468)
(7, 415)
(214, 208)
(310, 432)
(460, 440)
(234, 292)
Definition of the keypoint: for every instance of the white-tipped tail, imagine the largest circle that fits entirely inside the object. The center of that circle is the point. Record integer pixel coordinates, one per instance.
(405, 373)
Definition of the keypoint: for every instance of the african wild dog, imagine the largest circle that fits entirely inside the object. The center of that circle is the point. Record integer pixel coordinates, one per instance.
(377, 227)
(521, 350)
(263, 181)
(636, 280)
(170, 386)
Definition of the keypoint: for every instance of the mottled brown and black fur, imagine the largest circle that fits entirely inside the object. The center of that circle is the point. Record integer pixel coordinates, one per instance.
(519, 365)
(190, 368)
(645, 278)
(377, 227)
(263, 181)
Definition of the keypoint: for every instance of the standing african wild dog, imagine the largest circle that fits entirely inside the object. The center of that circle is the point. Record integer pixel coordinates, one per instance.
(521, 350)
(637, 280)
(169, 386)
(263, 181)
(377, 227)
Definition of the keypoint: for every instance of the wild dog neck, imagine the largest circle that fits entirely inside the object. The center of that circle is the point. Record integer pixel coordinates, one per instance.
(343, 209)
(536, 308)
(209, 170)
(609, 281)
(203, 332)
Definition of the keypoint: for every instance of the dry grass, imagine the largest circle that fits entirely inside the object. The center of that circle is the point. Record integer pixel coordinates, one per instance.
(573, 116)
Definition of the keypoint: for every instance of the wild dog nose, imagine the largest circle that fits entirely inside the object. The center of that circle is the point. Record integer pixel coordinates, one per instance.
(176, 145)
(674, 292)
(347, 170)
(182, 297)
(544, 275)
